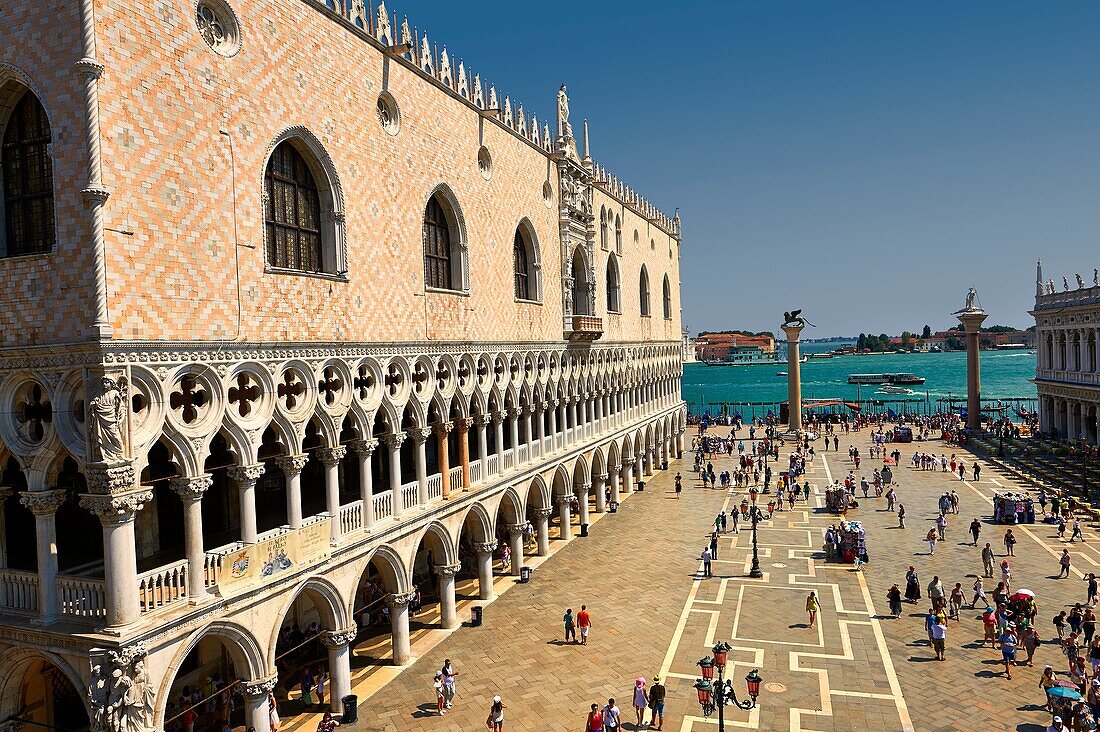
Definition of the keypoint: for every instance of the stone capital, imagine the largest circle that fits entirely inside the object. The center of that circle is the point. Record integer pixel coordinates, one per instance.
(514, 412)
(442, 429)
(464, 424)
(613, 468)
(543, 512)
(364, 448)
(191, 489)
(89, 67)
(331, 456)
(245, 473)
(482, 420)
(399, 599)
(497, 417)
(291, 465)
(43, 503)
(601, 477)
(5, 492)
(420, 435)
(115, 509)
(544, 405)
(447, 570)
(485, 547)
(393, 440)
(339, 638)
(515, 529)
(110, 477)
(253, 690)
(562, 500)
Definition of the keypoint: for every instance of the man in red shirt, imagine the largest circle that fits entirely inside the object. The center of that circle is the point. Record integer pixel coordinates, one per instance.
(584, 622)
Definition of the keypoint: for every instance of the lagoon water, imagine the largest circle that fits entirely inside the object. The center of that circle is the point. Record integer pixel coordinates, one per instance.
(1005, 376)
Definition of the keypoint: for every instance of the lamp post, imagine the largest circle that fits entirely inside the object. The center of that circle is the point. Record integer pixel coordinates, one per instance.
(755, 572)
(716, 694)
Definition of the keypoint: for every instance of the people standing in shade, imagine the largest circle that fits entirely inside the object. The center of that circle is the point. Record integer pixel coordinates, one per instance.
(584, 622)
(320, 677)
(570, 625)
(657, 703)
(812, 608)
(307, 682)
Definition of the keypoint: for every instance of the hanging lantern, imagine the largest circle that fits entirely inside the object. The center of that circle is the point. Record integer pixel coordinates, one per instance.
(702, 686)
(753, 682)
(707, 666)
(720, 651)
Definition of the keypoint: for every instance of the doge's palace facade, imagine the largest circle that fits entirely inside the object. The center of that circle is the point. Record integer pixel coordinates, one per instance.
(304, 323)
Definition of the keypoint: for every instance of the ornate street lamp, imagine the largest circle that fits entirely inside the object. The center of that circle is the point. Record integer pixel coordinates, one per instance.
(715, 695)
(755, 571)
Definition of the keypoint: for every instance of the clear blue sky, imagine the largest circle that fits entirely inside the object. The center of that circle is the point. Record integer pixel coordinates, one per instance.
(865, 161)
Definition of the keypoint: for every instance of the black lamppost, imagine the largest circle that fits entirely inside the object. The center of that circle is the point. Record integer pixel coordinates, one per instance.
(755, 572)
(717, 694)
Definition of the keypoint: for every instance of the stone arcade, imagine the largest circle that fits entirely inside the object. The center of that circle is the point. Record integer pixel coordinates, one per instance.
(302, 324)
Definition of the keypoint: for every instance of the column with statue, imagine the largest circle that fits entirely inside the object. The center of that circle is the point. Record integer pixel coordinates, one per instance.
(793, 323)
(971, 317)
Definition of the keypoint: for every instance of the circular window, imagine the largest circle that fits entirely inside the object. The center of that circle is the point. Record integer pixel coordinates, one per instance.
(217, 24)
(485, 163)
(389, 115)
(548, 194)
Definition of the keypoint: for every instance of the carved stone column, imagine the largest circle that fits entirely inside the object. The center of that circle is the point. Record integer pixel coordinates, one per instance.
(448, 614)
(613, 472)
(364, 449)
(498, 435)
(256, 710)
(442, 449)
(628, 474)
(5, 494)
(542, 530)
(44, 505)
(245, 477)
(485, 551)
(190, 491)
(599, 481)
(515, 537)
(564, 517)
(541, 426)
(330, 457)
(399, 625)
(513, 428)
(420, 436)
(553, 405)
(582, 503)
(338, 643)
(528, 432)
(482, 422)
(393, 442)
(573, 415)
(116, 513)
(463, 424)
(292, 467)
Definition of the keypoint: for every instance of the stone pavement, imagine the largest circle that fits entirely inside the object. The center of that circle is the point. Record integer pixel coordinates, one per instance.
(638, 573)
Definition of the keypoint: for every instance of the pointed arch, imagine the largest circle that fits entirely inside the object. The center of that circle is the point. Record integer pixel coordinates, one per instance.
(613, 285)
(446, 248)
(643, 292)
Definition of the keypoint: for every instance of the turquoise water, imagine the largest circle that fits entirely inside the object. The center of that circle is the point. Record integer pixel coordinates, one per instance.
(1005, 376)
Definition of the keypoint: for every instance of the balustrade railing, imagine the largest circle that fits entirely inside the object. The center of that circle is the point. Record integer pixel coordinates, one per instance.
(409, 497)
(435, 486)
(522, 452)
(19, 590)
(80, 597)
(475, 471)
(214, 563)
(491, 464)
(351, 517)
(163, 587)
(383, 505)
(454, 478)
(509, 459)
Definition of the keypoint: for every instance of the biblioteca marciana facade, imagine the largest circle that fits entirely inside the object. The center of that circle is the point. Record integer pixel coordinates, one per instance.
(303, 323)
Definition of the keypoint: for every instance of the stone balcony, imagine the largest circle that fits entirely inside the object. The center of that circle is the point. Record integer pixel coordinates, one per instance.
(583, 328)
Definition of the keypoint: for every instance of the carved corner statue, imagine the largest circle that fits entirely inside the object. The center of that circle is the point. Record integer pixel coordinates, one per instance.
(565, 131)
(1080, 282)
(105, 419)
(1065, 285)
(125, 701)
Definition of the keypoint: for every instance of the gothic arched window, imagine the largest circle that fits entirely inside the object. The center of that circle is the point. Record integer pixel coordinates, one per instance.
(666, 296)
(643, 292)
(27, 171)
(522, 267)
(614, 296)
(292, 212)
